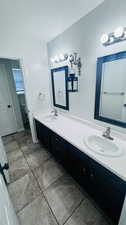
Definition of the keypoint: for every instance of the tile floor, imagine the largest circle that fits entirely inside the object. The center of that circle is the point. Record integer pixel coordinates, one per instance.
(42, 192)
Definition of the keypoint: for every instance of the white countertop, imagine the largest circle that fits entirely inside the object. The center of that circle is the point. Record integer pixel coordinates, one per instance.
(75, 131)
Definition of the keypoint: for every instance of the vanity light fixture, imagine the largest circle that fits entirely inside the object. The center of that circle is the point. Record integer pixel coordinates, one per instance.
(118, 35)
(60, 58)
(75, 61)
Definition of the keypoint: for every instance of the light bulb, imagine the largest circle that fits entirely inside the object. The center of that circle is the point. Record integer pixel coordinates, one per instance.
(61, 57)
(111, 39)
(119, 32)
(56, 59)
(52, 60)
(104, 38)
(124, 34)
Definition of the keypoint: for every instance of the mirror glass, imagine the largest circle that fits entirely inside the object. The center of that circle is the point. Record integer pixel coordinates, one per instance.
(110, 104)
(59, 87)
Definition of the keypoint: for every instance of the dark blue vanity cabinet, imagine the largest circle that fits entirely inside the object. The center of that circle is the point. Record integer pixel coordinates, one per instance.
(59, 149)
(43, 134)
(107, 189)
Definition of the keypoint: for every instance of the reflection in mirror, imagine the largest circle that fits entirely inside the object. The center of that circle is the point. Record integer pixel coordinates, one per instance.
(110, 105)
(59, 87)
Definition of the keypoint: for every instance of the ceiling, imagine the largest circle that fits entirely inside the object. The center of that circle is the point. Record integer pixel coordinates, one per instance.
(41, 19)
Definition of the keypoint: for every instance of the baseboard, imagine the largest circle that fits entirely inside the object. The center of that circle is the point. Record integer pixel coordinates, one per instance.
(21, 129)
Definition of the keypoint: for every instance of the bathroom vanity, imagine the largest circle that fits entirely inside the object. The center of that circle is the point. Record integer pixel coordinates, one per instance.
(103, 177)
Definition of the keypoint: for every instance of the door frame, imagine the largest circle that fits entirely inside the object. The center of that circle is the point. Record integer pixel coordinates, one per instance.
(23, 72)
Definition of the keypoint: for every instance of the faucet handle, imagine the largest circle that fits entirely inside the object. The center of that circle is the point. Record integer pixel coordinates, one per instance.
(55, 112)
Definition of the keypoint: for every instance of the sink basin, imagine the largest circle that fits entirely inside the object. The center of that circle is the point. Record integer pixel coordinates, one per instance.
(103, 146)
(50, 118)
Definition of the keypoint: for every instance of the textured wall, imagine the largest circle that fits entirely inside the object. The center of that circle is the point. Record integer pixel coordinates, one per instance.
(84, 38)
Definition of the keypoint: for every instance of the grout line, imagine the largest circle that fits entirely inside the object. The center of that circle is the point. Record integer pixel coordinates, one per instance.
(50, 208)
(41, 191)
(73, 211)
(18, 211)
(42, 194)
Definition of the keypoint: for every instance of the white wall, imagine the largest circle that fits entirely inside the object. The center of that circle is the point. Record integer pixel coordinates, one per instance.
(84, 37)
(35, 68)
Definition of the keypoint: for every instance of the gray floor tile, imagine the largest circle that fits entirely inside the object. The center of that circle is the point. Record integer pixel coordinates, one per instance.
(30, 148)
(11, 146)
(22, 134)
(14, 155)
(63, 194)
(87, 214)
(7, 139)
(23, 191)
(23, 140)
(63, 197)
(37, 158)
(18, 169)
(48, 173)
(37, 213)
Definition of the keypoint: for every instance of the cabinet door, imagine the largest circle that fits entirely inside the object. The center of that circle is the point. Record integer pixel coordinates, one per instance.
(108, 189)
(59, 149)
(79, 167)
(43, 134)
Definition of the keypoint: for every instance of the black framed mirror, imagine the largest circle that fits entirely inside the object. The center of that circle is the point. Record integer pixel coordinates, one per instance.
(110, 97)
(59, 77)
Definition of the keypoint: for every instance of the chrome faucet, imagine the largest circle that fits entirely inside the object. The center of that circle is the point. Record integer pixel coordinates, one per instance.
(107, 134)
(55, 112)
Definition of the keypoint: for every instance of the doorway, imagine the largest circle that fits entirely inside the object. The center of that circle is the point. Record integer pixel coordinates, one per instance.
(13, 107)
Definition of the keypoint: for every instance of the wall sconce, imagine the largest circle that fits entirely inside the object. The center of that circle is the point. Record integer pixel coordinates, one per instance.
(72, 83)
(118, 35)
(75, 61)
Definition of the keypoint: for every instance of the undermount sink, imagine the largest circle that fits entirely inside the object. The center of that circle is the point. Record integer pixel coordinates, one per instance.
(103, 146)
(50, 118)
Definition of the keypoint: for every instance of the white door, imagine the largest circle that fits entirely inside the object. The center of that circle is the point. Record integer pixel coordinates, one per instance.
(8, 123)
(7, 213)
(3, 159)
